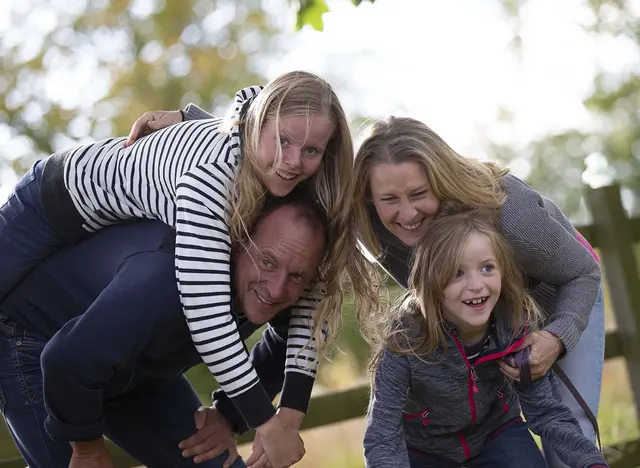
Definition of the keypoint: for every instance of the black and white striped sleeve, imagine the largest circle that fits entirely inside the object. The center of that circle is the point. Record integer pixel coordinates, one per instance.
(302, 355)
(203, 249)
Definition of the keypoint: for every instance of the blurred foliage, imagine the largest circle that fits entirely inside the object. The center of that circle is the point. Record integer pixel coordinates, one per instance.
(561, 163)
(119, 59)
(310, 12)
(85, 69)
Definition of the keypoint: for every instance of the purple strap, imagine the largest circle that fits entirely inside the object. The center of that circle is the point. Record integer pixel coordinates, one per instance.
(521, 361)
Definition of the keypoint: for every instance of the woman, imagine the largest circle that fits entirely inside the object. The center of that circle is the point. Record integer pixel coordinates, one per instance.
(403, 172)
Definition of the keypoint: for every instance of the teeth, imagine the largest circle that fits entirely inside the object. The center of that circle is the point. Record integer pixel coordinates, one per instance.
(285, 175)
(411, 227)
(475, 301)
(262, 299)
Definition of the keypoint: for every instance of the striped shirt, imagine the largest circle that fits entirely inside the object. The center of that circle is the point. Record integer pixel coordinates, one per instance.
(183, 175)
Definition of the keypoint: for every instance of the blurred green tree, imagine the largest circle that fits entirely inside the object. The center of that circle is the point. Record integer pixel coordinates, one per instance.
(561, 163)
(309, 12)
(86, 69)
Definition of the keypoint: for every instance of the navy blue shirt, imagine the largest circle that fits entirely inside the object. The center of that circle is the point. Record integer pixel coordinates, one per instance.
(111, 311)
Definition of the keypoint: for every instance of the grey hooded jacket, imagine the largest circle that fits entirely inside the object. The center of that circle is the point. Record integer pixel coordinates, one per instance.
(450, 408)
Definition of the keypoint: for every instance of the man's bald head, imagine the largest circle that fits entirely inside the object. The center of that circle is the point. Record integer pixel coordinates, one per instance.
(284, 253)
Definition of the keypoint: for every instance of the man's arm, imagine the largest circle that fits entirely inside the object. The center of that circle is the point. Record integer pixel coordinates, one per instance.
(83, 357)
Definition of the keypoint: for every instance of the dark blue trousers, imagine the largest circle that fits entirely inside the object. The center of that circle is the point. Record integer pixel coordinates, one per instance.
(26, 237)
(148, 420)
(512, 447)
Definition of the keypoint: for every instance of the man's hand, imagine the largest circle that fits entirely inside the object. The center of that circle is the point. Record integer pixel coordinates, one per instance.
(213, 437)
(282, 445)
(291, 418)
(92, 454)
(546, 348)
(149, 122)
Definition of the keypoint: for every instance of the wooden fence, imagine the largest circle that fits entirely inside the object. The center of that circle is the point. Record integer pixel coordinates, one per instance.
(614, 234)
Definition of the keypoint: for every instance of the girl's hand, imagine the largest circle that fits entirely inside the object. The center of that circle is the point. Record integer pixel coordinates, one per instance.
(282, 445)
(149, 122)
(546, 348)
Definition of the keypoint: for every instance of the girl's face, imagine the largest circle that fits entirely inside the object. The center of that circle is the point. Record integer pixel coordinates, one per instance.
(303, 140)
(403, 199)
(473, 292)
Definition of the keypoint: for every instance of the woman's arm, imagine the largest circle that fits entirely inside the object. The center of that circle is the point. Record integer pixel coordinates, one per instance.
(550, 419)
(546, 248)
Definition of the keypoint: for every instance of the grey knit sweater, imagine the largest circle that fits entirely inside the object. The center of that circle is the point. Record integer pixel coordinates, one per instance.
(561, 274)
(449, 409)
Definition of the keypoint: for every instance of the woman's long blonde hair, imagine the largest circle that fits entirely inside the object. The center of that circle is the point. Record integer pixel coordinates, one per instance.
(303, 93)
(415, 325)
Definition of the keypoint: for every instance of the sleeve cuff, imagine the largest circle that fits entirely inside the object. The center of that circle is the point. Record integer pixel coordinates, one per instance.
(227, 409)
(565, 329)
(64, 432)
(255, 406)
(296, 391)
(193, 112)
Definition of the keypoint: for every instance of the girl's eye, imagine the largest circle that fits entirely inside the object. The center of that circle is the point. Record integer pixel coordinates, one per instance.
(459, 274)
(284, 141)
(420, 194)
(488, 268)
(311, 151)
(266, 263)
(388, 199)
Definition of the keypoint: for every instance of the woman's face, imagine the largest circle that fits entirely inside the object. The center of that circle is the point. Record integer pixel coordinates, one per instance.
(303, 139)
(403, 199)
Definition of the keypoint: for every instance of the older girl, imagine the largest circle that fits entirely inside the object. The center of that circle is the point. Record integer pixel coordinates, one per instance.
(404, 171)
(439, 398)
(208, 179)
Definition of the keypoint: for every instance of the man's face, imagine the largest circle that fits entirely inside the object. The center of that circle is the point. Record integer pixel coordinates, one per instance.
(271, 274)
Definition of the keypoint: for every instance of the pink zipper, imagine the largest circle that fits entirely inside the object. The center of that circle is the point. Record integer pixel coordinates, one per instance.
(424, 415)
(505, 407)
(465, 446)
(473, 388)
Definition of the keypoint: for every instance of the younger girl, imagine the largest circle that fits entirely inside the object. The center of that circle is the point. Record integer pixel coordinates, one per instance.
(439, 398)
(208, 179)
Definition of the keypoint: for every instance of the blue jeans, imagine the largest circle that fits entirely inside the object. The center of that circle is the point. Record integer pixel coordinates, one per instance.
(26, 237)
(511, 447)
(583, 365)
(147, 421)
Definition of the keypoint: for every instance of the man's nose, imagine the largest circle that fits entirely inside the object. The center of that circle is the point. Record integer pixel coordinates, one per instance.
(276, 285)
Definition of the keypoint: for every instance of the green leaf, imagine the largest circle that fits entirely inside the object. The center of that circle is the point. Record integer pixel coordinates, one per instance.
(310, 12)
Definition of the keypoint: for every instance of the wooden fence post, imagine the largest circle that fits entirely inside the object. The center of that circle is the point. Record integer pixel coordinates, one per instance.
(613, 232)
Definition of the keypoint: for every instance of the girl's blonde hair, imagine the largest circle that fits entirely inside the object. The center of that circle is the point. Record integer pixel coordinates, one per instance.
(397, 140)
(415, 325)
(303, 93)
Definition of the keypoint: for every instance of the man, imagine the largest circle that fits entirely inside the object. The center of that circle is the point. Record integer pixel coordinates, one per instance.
(89, 349)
